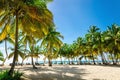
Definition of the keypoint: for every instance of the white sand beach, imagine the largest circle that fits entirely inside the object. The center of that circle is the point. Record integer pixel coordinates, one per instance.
(70, 72)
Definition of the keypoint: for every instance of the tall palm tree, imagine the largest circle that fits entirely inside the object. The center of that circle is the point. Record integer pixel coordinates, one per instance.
(33, 53)
(67, 51)
(90, 37)
(52, 42)
(99, 45)
(79, 46)
(23, 14)
(26, 40)
(112, 40)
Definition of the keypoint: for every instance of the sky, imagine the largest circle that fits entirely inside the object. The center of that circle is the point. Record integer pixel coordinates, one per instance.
(74, 17)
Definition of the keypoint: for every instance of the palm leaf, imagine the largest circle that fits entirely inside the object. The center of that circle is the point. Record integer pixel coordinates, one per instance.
(21, 54)
(11, 55)
(1, 56)
(4, 32)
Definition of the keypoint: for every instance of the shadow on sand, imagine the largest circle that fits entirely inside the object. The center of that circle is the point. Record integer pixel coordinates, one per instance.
(55, 73)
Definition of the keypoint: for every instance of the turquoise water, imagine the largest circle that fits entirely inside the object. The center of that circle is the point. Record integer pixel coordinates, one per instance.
(67, 62)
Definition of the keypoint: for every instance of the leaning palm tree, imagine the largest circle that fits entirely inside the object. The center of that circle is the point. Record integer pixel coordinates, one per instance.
(31, 16)
(52, 42)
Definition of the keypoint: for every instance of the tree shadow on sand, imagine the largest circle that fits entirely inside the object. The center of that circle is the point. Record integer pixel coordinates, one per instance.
(56, 73)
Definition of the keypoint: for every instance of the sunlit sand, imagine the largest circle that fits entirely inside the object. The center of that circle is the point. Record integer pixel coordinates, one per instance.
(70, 72)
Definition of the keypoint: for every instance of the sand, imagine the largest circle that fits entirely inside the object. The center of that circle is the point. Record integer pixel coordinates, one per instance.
(70, 72)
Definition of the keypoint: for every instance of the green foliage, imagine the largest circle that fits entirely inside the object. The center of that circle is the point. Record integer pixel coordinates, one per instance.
(5, 76)
(1, 56)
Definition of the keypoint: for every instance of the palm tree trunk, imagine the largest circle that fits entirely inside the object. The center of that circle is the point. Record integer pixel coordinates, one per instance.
(73, 61)
(44, 61)
(34, 67)
(5, 51)
(69, 61)
(77, 61)
(6, 47)
(49, 61)
(16, 46)
(61, 60)
(112, 58)
(103, 58)
(86, 59)
(22, 62)
(93, 59)
(24, 53)
(117, 59)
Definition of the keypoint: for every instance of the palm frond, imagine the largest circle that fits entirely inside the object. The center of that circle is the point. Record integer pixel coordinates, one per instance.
(4, 32)
(11, 55)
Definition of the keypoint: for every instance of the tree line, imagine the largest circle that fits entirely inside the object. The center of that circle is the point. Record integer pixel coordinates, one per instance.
(95, 46)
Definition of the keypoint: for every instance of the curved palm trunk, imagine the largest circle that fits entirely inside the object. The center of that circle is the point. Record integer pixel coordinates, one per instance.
(77, 60)
(117, 59)
(103, 58)
(5, 51)
(112, 58)
(34, 67)
(93, 59)
(16, 46)
(68, 61)
(24, 56)
(73, 61)
(44, 61)
(61, 60)
(22, 62)
(50, 63)
(49, 57)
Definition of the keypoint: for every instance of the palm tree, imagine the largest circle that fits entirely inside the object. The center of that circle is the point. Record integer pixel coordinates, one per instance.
(98, 44)
(33, 53)
(20, 53)
(90, 38)
(23, 14)
(67, 51)
(78, 47)
(52, 42)
(26, 40)
(112, 40)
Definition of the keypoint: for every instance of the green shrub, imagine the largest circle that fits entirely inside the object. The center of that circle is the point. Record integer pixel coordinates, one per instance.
(4, 75)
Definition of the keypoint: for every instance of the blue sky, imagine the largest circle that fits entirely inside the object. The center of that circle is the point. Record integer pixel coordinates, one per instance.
(74, 17)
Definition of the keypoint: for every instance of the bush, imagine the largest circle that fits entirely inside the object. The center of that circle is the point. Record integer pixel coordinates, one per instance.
(16, 75)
